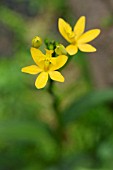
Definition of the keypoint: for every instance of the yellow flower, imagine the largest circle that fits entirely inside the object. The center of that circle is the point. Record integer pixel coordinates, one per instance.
(76, 37)
(46, 65)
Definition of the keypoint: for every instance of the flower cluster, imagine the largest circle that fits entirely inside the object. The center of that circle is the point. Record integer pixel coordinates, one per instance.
(47, 64)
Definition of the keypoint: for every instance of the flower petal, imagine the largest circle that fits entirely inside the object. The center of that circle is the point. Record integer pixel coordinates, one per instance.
(80, 26)
(41, 64)
(72, 49)
(41, 80)
(63, 26)
(53, 60)
(57, 76)
(89, 36)
(33, 69)
(59, 62)
(37, 55)
(49, 52)
(87, 48)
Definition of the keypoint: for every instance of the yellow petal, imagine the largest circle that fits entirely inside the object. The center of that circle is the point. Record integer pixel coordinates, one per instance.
(87, 48)
(33, 69)
(60, 61)
(72, 49)
(63, 26)
(37, 55)
(80, 26)
(57, 76)
(53, 60)
(49, 52)
(89, 36)
(41, 64)
(41, 80)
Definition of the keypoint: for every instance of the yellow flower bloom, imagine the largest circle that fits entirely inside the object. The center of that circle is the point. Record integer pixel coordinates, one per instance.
(76, 37)
(46, 65)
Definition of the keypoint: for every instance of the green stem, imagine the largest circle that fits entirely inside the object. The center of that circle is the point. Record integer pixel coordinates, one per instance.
(59, 131)
(55, 102)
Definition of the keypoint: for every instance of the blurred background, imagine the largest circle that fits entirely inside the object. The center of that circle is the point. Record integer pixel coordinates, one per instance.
(27, 118)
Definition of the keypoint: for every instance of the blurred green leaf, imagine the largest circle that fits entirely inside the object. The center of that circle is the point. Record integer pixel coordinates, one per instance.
(18, 25)
(17, 130)
(73, 162)
(85, 103)
(31, 132)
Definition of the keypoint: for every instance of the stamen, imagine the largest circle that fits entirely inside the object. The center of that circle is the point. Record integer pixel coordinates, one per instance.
(46, 65)
(47, 60)
(71, 35)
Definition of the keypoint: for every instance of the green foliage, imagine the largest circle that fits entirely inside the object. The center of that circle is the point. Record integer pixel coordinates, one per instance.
(85, 103)
(28, 136)
(13, 21)
(33, 132)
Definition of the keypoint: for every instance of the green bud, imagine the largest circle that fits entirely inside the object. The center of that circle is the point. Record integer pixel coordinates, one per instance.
(51, 46)
(60, 49)
(36, 42)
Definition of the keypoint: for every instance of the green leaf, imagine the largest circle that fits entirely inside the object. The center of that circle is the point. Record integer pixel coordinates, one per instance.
(36, 132)
(18, 24)
(85, 103)
(73, 162)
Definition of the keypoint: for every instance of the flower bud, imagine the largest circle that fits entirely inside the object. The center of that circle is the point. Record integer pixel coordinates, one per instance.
(36, 42)
(51, 46)
(60, 49)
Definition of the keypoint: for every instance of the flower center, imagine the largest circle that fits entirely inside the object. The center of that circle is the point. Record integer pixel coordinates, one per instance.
(71, 35)
(46, 65)
(47, 60)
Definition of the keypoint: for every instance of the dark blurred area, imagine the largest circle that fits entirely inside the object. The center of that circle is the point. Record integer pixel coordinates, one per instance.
(27, 118)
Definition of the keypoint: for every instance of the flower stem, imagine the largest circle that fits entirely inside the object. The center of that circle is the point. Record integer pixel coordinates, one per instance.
(58, 132)
(55, 103)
